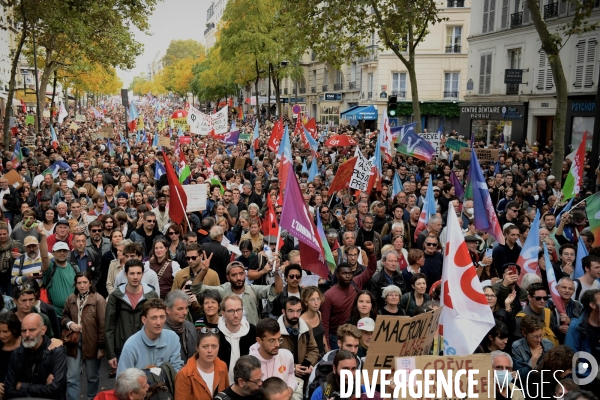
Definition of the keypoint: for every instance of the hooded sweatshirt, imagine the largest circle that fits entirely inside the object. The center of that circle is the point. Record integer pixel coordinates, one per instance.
(280, 365)
(234, 341)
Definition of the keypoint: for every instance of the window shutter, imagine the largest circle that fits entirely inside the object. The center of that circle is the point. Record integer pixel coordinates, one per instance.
(492, 15)
(486, 5)
(579, 63)
(488, 73)
(504, 17)
(590, 61)
(525, 12)
(482, 73)
(541, 71)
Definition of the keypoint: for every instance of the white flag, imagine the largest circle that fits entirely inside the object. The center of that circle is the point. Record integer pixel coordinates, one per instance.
(466, 317)
(62, 113)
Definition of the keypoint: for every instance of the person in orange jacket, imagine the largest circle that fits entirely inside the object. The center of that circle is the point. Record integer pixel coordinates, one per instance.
(204, 374)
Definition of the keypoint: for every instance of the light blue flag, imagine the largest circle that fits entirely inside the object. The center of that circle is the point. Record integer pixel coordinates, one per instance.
(304, 167)
(155, 140)
(159, 171)
(145, 137)
(255, 136)
(179, 132)
(312, 143)
(54, 168)
(581, 252)
(137, 137)
(398, 187)
(314, 171)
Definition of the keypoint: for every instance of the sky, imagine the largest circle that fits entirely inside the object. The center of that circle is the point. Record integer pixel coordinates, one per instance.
(172, 19)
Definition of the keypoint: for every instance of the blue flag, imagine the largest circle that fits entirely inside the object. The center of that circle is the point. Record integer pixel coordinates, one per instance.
(581, 252)
(314, 171)
(398, 187)
(159, 171)
(155, 140)
(304, 167)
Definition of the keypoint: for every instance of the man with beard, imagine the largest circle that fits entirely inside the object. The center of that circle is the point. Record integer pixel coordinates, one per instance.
(162, 215)
(247, 380)
(367, 234)
(97, 242)
(34, 371)
(250, 294)
(147, 233)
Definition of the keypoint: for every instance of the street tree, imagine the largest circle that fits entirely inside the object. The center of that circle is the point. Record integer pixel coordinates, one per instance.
(180, 49)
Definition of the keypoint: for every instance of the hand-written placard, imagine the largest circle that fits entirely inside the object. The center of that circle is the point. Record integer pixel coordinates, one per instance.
(30, 120)
(80, 118)
(455, 144)
(220, 121)
(196, 197)
(483, 155)
(434, 140)
(106, 131)
(362, 173)
(200, 124)
(443, 364)
(400, 337)
(164, 141)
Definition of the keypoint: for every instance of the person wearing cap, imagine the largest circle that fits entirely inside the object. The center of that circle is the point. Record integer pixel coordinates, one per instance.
(61, 234)
(366, 326)
(29, 264)
(123, 204)
(58, 273)
(235, 275)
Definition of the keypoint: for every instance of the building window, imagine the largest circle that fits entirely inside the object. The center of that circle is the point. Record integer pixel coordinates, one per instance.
(330, 113)
(451, 80)
(485, 74)
(399, 84)
(489, 15)
(584, 63)
(455, 3)
(370, 85)
(453, 39)
(545, 79)
(353, 72)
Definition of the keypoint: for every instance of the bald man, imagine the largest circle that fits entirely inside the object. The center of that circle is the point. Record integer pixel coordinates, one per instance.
(34, 370)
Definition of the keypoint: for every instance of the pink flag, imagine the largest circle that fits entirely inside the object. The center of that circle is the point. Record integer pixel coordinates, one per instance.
(466, 317)
(296, 219)
(556, 299)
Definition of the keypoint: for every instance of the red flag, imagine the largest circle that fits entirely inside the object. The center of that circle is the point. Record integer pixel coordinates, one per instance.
(311, 126)
(275, 137)
(23, 107)
(178, 198)
(298, 129)
(342, 176)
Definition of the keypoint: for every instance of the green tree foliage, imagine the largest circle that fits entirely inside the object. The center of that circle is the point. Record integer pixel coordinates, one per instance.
(339, 31)
(180, 49)
(137, 82)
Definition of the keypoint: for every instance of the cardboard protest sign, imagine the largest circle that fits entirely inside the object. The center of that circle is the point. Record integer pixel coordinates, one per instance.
(80, 118)
(443, 364)
(361, 173)
(106, 131)
(483, 155)
(46, 114)
(30, 120)
(29, 141)
(433, 138)
(455, 144)
(240, 163)
(14, 178)
(200, 123)
(196, 195)
(220, 121)
(401, 337)
(73, 126)
(164, 141)
(177, 123)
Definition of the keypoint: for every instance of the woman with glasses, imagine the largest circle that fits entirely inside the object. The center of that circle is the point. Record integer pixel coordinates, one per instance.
(84, 314)
(391, 295)
(312, 298)
(417, 297)
(504, 314)
(165, 268)
(204, 374)
(176, 245)
(530, 349)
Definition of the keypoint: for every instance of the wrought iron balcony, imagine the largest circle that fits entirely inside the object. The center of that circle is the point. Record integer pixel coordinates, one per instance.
(351, 85)
(285, 91)
(324, 88)
(455, 48)
(302, 90)
(452, 95)
(551, 10)
(516, 20)
(338, 86)
(456, 3)
(313, 89)
(371, 55)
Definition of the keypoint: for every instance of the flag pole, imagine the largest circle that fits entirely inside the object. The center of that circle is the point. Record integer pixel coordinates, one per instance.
(182, 207)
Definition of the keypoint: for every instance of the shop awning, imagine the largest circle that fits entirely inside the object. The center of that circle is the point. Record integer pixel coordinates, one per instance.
(360, 113)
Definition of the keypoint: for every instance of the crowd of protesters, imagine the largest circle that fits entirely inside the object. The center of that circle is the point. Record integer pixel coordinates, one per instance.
(89, 256)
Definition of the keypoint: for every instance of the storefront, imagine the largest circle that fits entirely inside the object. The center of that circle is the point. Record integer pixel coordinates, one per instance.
(364, 116)
(580, 118)
(329, 108)
(488, 121)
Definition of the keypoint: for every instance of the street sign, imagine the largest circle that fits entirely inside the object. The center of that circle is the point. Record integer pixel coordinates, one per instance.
(296, 109)
(470, 84)
(333, 96)
(513, 76)
(393, 122)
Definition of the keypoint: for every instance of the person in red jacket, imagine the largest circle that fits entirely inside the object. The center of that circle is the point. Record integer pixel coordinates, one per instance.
(131, 384)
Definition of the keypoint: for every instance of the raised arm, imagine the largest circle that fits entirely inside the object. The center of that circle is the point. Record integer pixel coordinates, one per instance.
(43, 248)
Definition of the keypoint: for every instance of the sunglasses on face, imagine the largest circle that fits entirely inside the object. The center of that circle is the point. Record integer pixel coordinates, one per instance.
(540, 298)
(173, 233)
(430, 244)
(193, 258)
(96, 230)
(152, 221)
(294, 276)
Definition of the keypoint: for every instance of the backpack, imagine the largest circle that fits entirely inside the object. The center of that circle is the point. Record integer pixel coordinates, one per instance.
(163, 385)
(548, 333)
(221, 396)
(578, 290)
(48, 282)
(322, 369)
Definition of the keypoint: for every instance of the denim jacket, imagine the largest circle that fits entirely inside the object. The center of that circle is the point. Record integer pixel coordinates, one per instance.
(522, 354)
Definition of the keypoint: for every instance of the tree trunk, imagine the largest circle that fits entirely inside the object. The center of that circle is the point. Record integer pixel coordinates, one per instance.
(276, 84)
(53, 103)
(269, 92)
(414, 92)
(12, 83)
(560, 82)
(257, 112)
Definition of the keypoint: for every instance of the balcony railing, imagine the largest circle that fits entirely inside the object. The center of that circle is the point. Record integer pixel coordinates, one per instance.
(208, 28)
(455, 48)
(351, 85)
(452, 95)
(324, 88)
(293, 91)
(551, 10)
(399, 93)
(371, 54)
(302, 90)
(516, 20)
(512, 88)
(338, 86)
(370, 95)
(456, 3)
(313, 89)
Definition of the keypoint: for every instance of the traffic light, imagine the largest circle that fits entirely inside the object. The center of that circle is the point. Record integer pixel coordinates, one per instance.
(392, 107)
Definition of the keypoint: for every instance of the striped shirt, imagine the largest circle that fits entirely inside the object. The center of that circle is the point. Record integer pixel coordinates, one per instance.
(30, 266)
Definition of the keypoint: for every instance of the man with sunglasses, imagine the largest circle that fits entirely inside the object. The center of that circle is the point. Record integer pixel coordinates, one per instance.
(97, 242)
(293, 276)
(184, 277)
(147, 233)
(537, 296)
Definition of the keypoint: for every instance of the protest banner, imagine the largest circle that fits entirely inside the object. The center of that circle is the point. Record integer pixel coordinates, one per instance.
(240, 163)
(106, 131)
(401, 337)
(185, 140)
(483, 155)
(14, 178)
(220, 121)
(74, 126)
(29, 141)
(200, 123)
(177, 123)
(433, 138)
(196, 195)
(46, 114)
(455, 144)
(443, 364)
(80, 118)
(361, 173)
(164, 141)
(245, 136)
(30, 120)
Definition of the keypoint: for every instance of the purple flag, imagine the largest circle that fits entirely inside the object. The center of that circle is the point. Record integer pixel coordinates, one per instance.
(231, 138)
(296, 219)
(460, 192)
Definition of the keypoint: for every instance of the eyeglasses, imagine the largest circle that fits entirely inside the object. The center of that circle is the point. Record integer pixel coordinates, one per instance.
(324, 211)
(540, 298)
(430, 244)
(513, 210)
(536, 337)
(273, 341)
(490, 296)
(173, 233)
(204, 329)
(352, 255)
(278, 213)
(233, 312)
(256, 382)
(294, 276)
(96, 230)
(152, 221)
(193, 258)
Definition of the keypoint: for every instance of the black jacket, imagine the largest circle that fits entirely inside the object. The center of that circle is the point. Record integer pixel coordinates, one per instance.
(33, 382)
(245, 343)
(220, 258)
(280, 300)
(93, 265)
(50, 312)
(378, 283)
